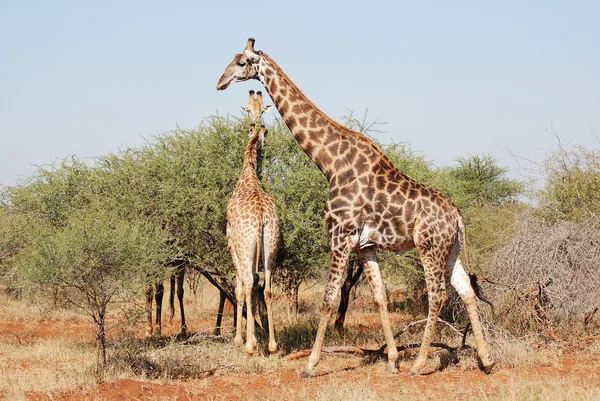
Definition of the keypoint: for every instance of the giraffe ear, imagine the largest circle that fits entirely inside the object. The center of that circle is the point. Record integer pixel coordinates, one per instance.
(245, 108)
(268, 108)
(251, 56)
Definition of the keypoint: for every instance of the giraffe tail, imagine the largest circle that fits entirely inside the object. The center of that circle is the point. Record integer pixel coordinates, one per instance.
(258, 299)
(259, 245)
(472, 276)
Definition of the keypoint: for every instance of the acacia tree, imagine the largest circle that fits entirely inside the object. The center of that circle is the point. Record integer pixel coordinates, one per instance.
(183, 181)
(84, 253)
(572, 190)
(480, 180)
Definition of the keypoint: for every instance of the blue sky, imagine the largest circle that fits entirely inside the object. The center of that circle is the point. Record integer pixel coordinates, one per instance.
(88, 78)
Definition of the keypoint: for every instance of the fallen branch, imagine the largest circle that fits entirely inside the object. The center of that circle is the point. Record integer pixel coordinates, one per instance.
(367, 352)
(329, 350)
(412, 324)
(554, 336)
(379, 352)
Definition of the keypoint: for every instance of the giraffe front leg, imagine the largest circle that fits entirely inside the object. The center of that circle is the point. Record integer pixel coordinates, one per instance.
(339, 259)
(373, 274)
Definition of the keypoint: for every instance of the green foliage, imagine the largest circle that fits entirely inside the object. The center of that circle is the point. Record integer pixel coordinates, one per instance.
(12, 237)
(480, 181)
(91, 258)
(53, 193)
(572, 190)
(181, 182)
(300, 191)
(490, 227)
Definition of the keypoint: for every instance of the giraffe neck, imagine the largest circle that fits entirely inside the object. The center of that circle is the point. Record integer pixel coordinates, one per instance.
(250, 159)
(314, 131)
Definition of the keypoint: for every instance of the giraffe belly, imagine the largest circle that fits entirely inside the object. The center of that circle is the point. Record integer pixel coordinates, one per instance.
(386, 234)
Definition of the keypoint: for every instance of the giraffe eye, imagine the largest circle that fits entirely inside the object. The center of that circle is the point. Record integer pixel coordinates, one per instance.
(241, 63)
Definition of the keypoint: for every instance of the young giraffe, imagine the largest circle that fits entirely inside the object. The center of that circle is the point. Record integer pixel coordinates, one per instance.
(371, 206)
(252, 229)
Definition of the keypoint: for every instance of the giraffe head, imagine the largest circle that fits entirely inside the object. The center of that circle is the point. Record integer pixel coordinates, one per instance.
(243, 67)
(260, 134)
(255, 108)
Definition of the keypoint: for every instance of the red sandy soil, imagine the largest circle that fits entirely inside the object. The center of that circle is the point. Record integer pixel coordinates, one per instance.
(289, 386)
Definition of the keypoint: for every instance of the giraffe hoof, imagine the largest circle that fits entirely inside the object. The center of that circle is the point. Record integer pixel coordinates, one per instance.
(307, 374)
(412, 373)
(488, 369)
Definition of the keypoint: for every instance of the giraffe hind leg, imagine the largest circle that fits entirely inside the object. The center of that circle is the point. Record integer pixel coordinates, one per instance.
(250, 337)
(239, 298)
(270, 247)
(436, 297)
(461, 281)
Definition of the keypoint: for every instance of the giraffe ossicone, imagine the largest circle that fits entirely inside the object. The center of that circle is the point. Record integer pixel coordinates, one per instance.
(371, 205)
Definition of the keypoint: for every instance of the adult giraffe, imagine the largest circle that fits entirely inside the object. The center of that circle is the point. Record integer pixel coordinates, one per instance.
(371, 206)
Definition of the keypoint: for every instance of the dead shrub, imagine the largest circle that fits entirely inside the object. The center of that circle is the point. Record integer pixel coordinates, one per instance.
(196, 357)
(548, 278)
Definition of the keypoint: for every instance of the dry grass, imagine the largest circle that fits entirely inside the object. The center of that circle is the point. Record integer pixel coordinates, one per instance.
(47, 367)
(41, 359)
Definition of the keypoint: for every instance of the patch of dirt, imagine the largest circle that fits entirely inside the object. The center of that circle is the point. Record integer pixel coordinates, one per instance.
(33, 331)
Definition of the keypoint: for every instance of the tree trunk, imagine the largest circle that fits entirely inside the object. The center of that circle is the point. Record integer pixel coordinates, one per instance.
(227, 291)
(354, 272)
(100, 322)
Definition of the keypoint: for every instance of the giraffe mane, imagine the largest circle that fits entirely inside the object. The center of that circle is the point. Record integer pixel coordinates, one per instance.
(357, 135)
(321, 113)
